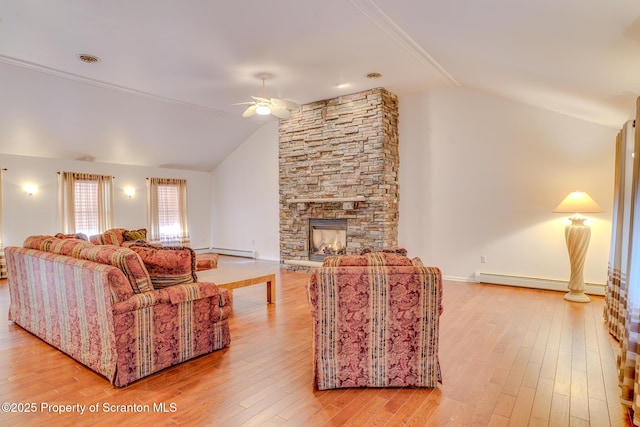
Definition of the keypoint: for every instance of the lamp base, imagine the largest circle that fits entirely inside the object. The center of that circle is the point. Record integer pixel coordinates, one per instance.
(577, 235)
(577, 296)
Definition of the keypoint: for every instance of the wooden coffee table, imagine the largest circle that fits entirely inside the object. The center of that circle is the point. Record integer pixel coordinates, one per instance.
(234, 278)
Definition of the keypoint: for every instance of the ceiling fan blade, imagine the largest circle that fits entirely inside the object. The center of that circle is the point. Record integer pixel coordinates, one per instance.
(291, 105)
(249, 111)
(281, 113)
(243, 103)
(284, 103)
(264, 100)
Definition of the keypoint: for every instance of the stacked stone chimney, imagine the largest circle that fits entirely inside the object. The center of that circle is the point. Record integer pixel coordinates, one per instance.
(339, 158)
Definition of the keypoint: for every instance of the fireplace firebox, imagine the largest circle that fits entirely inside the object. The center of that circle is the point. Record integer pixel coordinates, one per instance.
(327, 236)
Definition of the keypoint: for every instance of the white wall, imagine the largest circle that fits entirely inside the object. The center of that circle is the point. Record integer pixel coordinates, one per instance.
(29, 215)
(245, 196)
(479, 176)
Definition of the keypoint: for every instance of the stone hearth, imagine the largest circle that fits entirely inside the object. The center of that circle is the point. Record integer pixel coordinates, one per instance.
(339, 158)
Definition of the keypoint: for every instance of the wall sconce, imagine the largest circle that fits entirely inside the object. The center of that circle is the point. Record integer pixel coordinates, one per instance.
(30, 189)
(129, 191)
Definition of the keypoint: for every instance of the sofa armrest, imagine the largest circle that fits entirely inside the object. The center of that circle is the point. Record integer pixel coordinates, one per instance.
(172, 295)
(191, 292)
(140, 301)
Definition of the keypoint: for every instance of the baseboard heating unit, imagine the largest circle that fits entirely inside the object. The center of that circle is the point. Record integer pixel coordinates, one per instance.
(536, 283)
(234, 252)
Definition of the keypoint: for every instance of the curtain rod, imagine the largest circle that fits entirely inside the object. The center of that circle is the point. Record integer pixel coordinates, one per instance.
(86, 173)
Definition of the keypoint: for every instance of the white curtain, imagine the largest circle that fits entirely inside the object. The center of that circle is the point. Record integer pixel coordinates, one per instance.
(617, 286)
(167, 212)
(67, 200)
(622, 303)
(3, 263)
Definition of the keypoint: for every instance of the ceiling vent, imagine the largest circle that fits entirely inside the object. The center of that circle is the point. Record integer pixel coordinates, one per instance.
(89, 59)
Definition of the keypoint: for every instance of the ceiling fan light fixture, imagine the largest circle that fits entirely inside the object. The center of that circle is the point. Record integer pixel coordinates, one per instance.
(263, 106)
(263, 110)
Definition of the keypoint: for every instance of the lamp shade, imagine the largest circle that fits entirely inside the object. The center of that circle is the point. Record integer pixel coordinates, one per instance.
(578, 202)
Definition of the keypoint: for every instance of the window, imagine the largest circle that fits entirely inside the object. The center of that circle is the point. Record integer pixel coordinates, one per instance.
(86, 202)
(167, 211)
(86, 206)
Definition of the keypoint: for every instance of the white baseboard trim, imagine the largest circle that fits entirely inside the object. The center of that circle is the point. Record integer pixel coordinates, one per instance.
(536, 283)
(459, 279)
(201, 250)
(234, 252)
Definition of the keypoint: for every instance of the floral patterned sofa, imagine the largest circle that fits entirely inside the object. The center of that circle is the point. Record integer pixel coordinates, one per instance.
(124, 314)
(375, 321)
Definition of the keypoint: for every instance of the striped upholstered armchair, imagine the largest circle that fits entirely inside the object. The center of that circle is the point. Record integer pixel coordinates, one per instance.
(375, 321)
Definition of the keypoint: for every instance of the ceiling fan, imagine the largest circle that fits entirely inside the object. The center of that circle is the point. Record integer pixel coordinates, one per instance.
(260, 105)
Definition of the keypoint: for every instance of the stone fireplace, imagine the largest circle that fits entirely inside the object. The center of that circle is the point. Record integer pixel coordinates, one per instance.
(338, 160)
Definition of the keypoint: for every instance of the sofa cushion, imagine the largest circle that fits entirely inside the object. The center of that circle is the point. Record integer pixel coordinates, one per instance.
(367, 259)
(41, 242)
(140, 234)
(69, 247)
(125, 259)
(55, 244)
(167, 265)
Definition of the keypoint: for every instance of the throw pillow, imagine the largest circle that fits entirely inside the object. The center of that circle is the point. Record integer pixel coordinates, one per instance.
(167, 265)
(398, 251)
(140, 234)
(113, 236)
(80, 236)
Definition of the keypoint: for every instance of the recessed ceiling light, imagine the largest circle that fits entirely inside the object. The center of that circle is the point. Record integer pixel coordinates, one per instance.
(374, 75)
(341, 85)
(89, 59)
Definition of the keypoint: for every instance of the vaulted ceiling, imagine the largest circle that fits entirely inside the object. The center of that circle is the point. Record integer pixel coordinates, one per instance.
(578, 58)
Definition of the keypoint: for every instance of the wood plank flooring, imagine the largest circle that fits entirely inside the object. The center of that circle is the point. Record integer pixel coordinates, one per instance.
(509, 357)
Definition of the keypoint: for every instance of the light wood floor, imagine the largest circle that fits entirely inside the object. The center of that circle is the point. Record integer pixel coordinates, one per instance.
(509, 356)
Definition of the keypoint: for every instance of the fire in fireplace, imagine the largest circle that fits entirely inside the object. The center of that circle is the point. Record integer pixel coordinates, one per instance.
(327, 237)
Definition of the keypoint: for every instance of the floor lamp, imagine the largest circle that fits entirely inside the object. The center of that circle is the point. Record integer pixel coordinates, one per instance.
(577, 235)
